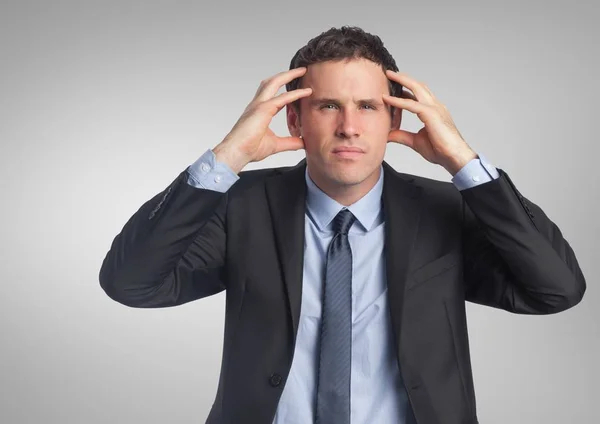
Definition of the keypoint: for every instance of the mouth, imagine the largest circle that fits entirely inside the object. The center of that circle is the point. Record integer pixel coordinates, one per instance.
(348, 152)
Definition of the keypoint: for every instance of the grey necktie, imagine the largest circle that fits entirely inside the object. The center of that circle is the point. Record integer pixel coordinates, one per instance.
(333, 385)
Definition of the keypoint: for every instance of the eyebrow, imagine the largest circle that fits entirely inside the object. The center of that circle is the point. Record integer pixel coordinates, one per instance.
(319, 101)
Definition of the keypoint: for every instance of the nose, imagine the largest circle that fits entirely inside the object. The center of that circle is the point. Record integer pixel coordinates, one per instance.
(348, 124)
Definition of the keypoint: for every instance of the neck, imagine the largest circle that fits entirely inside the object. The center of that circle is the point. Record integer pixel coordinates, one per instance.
(345, 194)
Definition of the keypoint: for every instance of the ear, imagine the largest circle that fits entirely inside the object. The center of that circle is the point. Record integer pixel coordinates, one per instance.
(293, 121)
(396, 118)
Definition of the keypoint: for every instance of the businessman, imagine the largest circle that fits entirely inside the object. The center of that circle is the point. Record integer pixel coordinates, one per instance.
(345, 279)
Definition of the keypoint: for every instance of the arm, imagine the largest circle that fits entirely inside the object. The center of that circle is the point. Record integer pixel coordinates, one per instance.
(172, 250)
(516, 258)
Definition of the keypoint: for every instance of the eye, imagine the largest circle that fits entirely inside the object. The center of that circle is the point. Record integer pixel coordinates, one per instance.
(331, 104)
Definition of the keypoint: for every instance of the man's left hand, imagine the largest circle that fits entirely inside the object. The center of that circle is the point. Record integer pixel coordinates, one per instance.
(439, 141)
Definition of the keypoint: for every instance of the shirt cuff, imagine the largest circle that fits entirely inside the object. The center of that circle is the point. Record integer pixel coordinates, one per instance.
(208, 173)
(474, 173)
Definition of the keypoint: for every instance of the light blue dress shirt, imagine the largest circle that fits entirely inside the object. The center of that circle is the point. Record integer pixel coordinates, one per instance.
(377, 391)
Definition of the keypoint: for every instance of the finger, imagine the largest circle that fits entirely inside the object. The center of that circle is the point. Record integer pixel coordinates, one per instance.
(288, 143)
(402, 137)
(283, 99)
(422, 93)
(408, 95)
(269, 87)
(408, 104)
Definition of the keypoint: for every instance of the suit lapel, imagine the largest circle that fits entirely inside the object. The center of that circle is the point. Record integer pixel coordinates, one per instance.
(286, 197)
(402, 210)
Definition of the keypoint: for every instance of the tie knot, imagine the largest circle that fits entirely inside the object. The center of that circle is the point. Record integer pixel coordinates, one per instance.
(343, 221)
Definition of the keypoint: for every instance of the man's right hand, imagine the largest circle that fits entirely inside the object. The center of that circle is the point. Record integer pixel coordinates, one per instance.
(251, 139)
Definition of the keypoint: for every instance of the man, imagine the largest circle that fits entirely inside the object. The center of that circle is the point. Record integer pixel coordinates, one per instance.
(345, 280)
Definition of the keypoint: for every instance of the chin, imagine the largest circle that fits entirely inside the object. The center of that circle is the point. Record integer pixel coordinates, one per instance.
(344, 172)
(349, 176)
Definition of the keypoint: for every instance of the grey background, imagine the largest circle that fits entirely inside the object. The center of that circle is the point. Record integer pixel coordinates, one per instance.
(102, 104)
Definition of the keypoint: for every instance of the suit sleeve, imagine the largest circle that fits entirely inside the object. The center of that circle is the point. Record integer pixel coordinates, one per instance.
(515, 257)
(172, 250)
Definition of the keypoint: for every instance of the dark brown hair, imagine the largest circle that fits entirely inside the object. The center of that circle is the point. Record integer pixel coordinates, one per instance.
(347, 42)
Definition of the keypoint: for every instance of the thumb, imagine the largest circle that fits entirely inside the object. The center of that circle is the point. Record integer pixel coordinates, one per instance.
(289, 143)
(402, 137)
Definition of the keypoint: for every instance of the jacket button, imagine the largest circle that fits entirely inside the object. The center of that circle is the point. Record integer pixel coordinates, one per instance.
(275, 380)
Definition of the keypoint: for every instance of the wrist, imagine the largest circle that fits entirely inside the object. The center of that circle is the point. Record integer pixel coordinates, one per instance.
(230, 156)
(458, 161)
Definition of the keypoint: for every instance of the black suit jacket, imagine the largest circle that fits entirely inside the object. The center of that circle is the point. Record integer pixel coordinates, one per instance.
(487, 244)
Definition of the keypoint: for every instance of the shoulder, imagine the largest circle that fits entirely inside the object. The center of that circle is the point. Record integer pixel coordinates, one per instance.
(442, 191)
(440, 203)
(255, 179)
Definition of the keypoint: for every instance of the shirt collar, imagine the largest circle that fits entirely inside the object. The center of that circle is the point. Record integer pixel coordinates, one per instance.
(323, 208)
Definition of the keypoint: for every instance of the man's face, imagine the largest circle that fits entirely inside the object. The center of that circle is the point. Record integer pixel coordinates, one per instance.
(345, 110)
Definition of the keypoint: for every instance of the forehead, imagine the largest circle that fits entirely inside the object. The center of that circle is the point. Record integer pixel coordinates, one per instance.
(356, 76)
